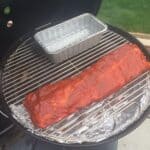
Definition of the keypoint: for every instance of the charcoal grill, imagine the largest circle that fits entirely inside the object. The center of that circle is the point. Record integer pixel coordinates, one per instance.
(25, 70)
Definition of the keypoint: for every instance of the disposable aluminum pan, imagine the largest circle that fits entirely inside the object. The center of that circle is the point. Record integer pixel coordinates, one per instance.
(71, 37)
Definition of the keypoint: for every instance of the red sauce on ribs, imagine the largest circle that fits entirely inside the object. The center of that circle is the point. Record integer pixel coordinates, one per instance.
(53, 102)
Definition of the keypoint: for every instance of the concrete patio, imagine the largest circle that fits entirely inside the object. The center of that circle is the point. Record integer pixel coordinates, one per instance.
(139, 139)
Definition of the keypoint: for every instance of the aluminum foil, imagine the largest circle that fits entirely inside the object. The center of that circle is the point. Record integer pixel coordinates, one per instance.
(98, 121)
(71, 37)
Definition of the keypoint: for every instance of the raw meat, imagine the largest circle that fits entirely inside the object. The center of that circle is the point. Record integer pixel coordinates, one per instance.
(52, 102)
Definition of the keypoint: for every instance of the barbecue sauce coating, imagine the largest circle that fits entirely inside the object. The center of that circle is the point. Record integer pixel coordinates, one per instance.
(53, 102)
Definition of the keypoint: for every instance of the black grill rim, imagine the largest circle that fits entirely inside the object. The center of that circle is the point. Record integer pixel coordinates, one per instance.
(134, 125)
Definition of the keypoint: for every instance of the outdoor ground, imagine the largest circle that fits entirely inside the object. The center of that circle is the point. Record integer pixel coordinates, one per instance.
(139, 139)
(131, 15)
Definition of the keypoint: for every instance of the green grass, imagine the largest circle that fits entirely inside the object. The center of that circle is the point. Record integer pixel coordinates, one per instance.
(130, 15)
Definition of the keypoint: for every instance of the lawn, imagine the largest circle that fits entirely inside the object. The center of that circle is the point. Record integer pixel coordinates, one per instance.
(130, 15)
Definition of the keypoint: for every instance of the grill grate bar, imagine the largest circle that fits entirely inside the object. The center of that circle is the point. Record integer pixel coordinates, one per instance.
(54, 74)
(26, 43)
(10, 76)
(18, 58)
(15, 67)
(33, 64)
(33, 80)
(16, 64)
(22, 50)
(15, 76)
(100, 48)
(98, 55)
(27, 52)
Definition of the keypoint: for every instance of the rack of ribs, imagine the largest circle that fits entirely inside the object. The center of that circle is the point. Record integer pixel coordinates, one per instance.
(53, 102)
